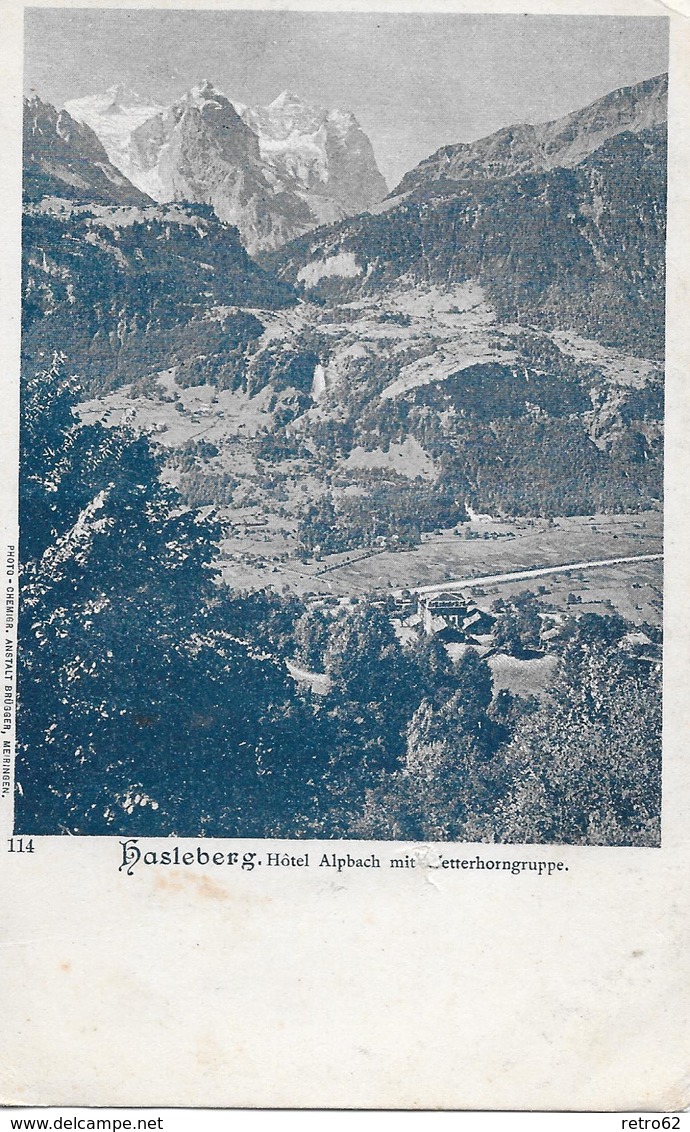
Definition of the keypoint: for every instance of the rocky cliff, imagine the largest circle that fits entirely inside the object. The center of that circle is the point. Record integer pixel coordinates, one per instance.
(64, 158)
(275, 171)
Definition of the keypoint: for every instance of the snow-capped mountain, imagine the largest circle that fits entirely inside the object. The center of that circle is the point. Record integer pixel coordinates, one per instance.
(275, 171)
(197, 149)
(64, 158)
(201, 150)
(325, 151)
(113, 116)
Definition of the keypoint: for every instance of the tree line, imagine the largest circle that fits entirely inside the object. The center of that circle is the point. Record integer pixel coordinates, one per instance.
(153, 700)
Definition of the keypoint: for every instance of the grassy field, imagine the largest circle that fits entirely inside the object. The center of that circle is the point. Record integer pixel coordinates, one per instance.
(634, 589)
(523, 677)
(260, 549)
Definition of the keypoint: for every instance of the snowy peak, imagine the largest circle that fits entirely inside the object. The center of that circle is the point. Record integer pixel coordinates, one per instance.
(275, 171)
(64, 157)
(287, 114)
(117, 101)
(179, 152)
(324, 151)
(118, 98)
(205, 89)
(343, 122)
(113, 116)
(205, 93)
(205, 109)
(284, 99)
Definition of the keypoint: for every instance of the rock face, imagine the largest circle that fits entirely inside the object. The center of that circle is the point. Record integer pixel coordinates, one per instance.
(200, 150)
(550, 145)
(274, 171)
(64, 158)
(324, 151)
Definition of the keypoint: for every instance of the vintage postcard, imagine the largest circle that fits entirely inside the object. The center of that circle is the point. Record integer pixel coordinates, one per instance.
(345, 482)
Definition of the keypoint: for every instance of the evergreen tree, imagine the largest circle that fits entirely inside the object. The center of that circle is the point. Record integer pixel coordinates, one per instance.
(586, 768)
(137, 709)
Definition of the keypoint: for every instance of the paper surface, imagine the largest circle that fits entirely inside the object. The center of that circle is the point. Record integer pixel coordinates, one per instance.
(157, 951)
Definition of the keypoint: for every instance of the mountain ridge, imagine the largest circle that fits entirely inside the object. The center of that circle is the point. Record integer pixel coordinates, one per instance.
(546, 247)
(274, 171)
(561, 143)
(65, 158)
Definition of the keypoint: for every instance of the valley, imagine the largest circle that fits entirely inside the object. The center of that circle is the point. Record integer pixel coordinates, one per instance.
(261, 548)
(368, 494)
(217, 444)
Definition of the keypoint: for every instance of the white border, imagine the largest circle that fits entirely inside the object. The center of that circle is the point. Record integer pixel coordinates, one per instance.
(363, 991)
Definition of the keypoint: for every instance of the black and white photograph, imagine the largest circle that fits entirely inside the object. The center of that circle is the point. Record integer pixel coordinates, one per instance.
(342, 410)
(344, 484)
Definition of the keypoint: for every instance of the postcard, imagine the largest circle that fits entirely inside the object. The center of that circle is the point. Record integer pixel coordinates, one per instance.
(345, 484)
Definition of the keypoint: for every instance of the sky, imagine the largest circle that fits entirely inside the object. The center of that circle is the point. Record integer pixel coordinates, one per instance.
(414, 81)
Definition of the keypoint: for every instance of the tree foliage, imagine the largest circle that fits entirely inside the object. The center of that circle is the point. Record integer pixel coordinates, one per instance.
(137, 708)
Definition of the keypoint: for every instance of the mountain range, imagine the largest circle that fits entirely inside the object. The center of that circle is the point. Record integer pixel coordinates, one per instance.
(504, 323)
(563, 225)
(64, 158)
(477, 357)
(561, 144)
(274, 172)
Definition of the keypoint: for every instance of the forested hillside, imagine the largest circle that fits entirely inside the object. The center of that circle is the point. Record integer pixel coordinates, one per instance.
(129, 289)
(154, 701)
(206, 441)
(580, 248)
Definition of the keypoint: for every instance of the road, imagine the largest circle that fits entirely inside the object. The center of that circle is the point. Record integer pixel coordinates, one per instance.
(518, 575)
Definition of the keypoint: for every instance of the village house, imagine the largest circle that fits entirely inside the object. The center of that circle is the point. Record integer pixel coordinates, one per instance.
(453, 615)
